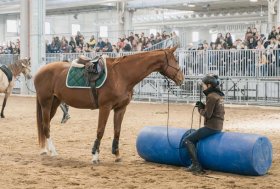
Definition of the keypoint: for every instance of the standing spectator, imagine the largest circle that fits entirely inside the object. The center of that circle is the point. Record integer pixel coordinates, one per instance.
(248, 34)
(72, 43)
(219, 38)
(131, 37)
(168, 42)
(158, 38)
(228, 40)
(273, 33)
(64, 39)
(175, 39)
(79, 39)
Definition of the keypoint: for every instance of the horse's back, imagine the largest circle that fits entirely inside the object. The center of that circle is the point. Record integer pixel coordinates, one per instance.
(50, 73)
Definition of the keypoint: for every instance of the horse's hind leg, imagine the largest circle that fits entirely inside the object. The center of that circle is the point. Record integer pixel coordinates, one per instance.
(48, 111)
(118, 118)
(4, 104)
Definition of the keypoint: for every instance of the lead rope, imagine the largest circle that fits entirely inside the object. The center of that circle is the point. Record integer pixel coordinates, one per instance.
(27, 86)
(168, 111)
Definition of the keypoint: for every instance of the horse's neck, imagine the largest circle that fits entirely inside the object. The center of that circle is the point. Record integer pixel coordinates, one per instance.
(15, 69)
(135, 68)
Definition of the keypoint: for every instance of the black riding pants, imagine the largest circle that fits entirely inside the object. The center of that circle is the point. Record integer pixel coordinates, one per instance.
(201, 133)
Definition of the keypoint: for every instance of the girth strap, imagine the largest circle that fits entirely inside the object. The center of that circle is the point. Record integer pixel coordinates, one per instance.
(94, 93)
(7, 72)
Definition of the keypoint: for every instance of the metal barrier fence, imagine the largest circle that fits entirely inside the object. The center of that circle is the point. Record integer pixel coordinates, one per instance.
(231, 63)
(248, 76)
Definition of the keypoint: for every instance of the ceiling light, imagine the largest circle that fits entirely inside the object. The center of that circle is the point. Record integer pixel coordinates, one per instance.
(191, 5)
(254, 1)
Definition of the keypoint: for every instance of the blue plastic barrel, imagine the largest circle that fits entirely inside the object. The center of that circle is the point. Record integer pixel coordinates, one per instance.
(153, 145)
(240, 153)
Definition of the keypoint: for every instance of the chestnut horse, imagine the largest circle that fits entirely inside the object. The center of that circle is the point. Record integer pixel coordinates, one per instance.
(6, 86)
(116, 93)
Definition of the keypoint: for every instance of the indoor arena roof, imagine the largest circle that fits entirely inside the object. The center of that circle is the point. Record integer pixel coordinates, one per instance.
(56, 6)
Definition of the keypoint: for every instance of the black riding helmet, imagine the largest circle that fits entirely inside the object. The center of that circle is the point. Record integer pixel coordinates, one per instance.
(211, 79)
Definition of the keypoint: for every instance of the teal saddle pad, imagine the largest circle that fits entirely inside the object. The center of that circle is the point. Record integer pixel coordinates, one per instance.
(75, 78)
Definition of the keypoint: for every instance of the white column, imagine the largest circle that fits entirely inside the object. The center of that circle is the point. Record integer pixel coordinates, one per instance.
(24, 29)
(37, 33)
(271, 13)
(2, 29)
(128, 20)
(278, 13)
(32, 36)
(121, 17)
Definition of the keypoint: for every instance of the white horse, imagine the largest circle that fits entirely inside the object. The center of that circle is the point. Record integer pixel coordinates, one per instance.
(6, 86)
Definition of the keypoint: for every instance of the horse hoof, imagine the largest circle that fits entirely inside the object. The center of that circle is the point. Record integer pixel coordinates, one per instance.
(43, 153)
(2, 116)
(54, 154)
(118, 160)
(95, 162)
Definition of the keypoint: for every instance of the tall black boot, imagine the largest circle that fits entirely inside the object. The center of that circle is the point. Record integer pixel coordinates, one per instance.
(195, 166)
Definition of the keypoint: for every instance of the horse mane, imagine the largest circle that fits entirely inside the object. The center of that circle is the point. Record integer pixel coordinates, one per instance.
(119, 60)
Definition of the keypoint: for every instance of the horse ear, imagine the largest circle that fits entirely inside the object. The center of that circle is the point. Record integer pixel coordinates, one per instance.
(23, 65)
(173, 49)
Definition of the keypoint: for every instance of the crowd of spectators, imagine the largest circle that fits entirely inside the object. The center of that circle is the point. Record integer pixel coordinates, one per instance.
(252, 40)
(10, 48)
(133, 42)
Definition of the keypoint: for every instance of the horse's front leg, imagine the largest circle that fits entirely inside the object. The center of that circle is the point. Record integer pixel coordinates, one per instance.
(102, 121)
(4, 104)
(118, 118)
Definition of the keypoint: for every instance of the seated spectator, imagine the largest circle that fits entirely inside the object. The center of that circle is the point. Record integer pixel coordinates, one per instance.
(107, 47)
(120, 43)
(100, 45)
(127, 46)
(64, 39)
(252, 43)
(91, 42)
(64, 48)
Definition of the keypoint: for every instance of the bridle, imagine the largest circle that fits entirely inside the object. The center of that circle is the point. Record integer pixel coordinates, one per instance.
(169, 66)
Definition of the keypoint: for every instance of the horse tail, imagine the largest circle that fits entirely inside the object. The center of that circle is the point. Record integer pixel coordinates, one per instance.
(40, 127)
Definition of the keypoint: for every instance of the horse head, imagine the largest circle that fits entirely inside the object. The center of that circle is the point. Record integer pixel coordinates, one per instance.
(26, 67)
(171, 67)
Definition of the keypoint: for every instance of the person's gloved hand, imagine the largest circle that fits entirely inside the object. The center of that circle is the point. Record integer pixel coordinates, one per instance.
(200, 105)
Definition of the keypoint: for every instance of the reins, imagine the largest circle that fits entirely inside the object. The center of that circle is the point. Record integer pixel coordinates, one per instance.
(168, 112)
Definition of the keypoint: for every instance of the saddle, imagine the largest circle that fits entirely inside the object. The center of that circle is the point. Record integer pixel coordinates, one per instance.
(93, 70)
